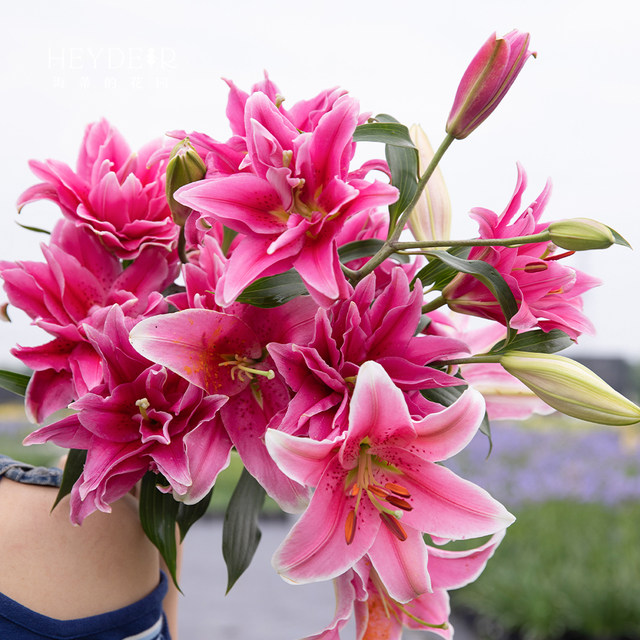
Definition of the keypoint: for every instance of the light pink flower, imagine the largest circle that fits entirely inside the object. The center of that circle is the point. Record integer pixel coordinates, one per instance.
(487, 80)
(293, 202)
(77, 281)
(112, 193)
(224, 353)
(142, 418)
(548, 292)
(378, 615)
(378, 487)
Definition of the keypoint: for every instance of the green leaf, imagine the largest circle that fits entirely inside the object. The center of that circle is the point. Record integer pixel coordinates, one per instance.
(36, 229)
(618, 239)
(437, 273)
(189, 514)
(536, 340)
(227, 238)
(366, 248)
(72, 471)
(489, 276)
(485, 428)
(240, 533)
(14, 382)
(390, 132)
(158, 515)
(403, 164)
(274, 291)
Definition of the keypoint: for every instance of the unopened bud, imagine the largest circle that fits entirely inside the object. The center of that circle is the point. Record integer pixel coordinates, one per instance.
(580, 234)
(431, 217)
(185, 166)
(571, 388)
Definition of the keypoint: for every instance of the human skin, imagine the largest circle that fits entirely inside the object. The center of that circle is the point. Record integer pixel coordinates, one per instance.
(65, 571)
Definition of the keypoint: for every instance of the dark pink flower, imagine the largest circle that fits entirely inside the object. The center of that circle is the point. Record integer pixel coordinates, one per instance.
(371, 324)
(79, 279)
(142, 418)
(113, 192)
(293, 202)
(547, 290)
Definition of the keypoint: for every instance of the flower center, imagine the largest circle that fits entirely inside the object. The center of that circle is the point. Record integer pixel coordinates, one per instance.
(242, 367)
(361, 481)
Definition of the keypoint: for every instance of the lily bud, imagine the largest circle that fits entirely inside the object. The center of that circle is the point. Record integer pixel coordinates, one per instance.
(431, 217)
(571, 388)
(580, 234)
(486, 81)
(185, 166)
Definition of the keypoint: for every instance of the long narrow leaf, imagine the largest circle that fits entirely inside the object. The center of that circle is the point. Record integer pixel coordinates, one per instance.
(489, 276)
(14, 382)
(158, 515)
(366, 248)
(537, 340)
(72, 471)
(189, 514)
(391, 132)
(437, 274)
(274, 291)
(241, 534)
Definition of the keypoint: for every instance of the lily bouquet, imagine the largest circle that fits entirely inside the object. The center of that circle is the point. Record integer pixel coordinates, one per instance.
(258, 296)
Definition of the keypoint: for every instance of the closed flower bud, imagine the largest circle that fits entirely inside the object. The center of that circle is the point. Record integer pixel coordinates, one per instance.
(571, 388)
(580, 234)
(185, 166)
(486, 81)
(431, 217)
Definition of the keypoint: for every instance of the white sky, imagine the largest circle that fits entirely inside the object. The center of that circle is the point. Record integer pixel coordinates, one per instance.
(152, 66)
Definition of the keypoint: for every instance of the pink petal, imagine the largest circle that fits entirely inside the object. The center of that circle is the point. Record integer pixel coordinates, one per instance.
(401, 565)
(194, 344)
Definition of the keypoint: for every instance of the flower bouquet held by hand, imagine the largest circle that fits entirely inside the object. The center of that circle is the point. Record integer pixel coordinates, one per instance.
(261, 296)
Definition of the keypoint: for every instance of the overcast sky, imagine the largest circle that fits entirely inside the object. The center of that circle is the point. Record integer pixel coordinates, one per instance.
(153, 66)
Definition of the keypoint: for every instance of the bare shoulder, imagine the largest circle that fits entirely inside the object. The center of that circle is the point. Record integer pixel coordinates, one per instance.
(66, 571)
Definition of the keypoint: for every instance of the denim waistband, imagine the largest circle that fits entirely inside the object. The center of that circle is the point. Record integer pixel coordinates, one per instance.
(28, 474)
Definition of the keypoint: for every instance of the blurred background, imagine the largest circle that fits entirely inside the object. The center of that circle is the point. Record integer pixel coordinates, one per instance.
(571, 561)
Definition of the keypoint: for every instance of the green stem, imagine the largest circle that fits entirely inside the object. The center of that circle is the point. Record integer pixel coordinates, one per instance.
(182, 246)
(543, 236)
(436, 303)
(470, 360)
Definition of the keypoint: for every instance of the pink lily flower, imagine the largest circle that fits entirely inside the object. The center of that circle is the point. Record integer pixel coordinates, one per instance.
(547, 291)
(378, 615)
(378, 487)
(141, 418)
(113, 193)
(487, 80)
(79, 279)
(225, 354)
(371, 324)
(293, 203)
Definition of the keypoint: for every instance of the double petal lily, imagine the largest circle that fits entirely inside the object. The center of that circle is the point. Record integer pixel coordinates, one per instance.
(374, 323)
(547, 291)
(112, 193)
(378, 487)
(142, 418)
(293, 202)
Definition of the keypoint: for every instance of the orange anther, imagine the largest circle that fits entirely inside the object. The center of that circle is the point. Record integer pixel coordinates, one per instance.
(394, 526)
(350, 527)
(398, 489)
